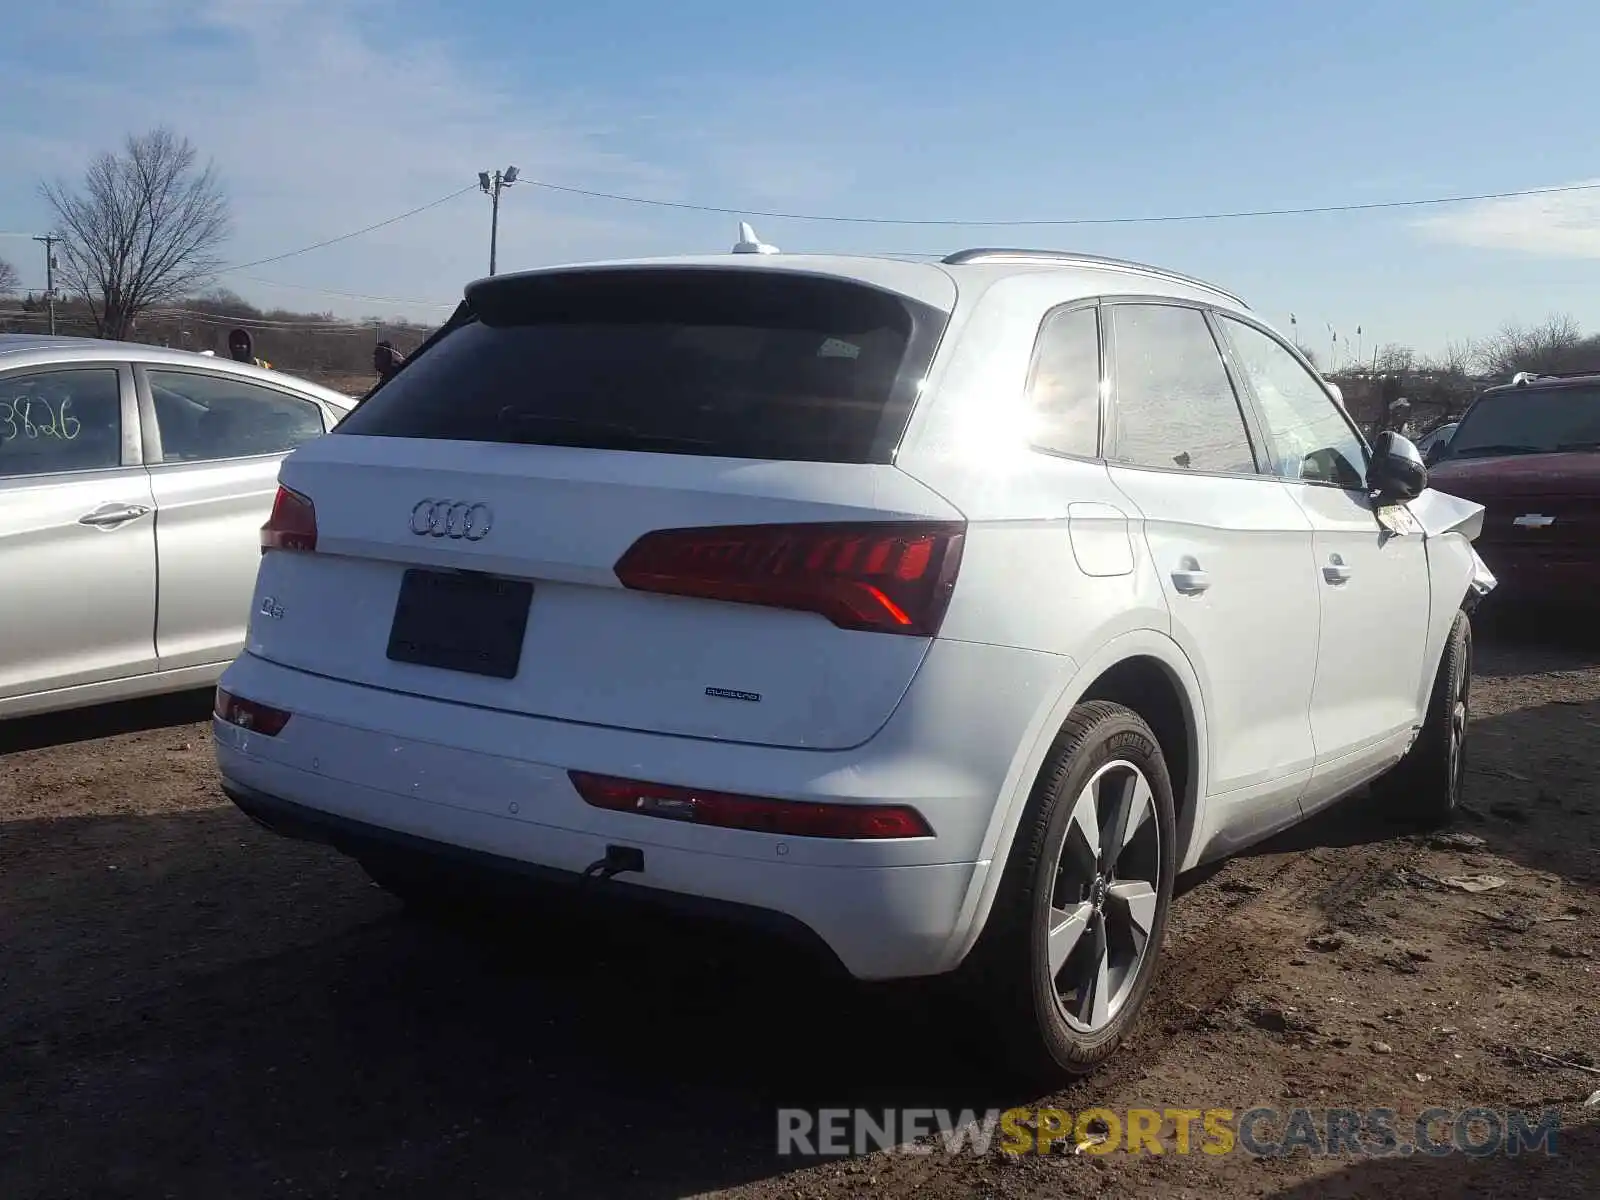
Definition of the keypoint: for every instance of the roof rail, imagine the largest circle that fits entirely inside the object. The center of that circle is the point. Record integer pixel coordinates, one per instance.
(1073, 257)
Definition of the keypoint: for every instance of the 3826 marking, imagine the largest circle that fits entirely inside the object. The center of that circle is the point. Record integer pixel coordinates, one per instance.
(20, 419)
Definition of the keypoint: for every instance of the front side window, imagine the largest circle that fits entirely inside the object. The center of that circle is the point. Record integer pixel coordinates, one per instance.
(1174, 406)
(204, 417)
(1064, 389)
(1311, 437)
(53, 421)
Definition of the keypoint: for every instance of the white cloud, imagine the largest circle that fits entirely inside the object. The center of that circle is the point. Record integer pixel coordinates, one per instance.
(322, 122)
(1552, 225)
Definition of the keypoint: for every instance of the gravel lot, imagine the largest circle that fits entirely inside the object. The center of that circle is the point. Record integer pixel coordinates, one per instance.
(192, 1007)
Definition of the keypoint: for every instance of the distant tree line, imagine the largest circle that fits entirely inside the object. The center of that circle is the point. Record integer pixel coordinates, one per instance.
(1439, 388)
(318, 346)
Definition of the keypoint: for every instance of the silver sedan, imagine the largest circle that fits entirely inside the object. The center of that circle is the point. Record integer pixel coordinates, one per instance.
(134, 481)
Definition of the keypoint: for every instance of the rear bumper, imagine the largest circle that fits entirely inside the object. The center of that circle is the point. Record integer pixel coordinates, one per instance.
(359, 767)
(374, 842)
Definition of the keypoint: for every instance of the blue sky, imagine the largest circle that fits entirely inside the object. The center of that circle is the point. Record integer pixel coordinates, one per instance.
(328, 115)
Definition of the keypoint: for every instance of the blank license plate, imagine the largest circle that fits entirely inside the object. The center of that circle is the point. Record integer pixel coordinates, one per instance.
(457, 622)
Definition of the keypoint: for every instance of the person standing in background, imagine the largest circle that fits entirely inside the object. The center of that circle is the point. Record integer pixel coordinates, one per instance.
(1400, 417)
(386, 360)
(241, 348)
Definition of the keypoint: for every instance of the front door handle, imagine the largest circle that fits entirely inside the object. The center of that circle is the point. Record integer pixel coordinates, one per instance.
(1189, 578)
(109, 516)
(1336, 572)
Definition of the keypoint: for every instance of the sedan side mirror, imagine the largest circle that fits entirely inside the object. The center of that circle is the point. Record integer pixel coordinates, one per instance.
(1397, 472)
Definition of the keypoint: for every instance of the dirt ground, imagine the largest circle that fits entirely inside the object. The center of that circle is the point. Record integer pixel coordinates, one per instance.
(190, 1006)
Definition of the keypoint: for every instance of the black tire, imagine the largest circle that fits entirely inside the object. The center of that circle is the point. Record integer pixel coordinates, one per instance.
(1009, 972)
(1426, 785)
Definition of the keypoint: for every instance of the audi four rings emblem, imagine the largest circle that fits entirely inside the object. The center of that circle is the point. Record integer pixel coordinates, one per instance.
(452, 519)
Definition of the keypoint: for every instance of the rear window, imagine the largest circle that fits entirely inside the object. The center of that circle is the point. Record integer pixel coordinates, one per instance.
(728, 362)
(1542, 421)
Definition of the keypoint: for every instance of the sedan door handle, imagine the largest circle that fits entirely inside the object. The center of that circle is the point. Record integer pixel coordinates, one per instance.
(1336, 572)
(1189, 578)
(109, 516)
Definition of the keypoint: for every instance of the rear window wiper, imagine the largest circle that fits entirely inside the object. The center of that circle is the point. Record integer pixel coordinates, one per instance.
(1493, 448)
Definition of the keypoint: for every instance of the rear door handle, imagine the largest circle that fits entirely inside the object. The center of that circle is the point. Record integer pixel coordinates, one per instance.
(1189, 578)
(109, 516)
(1336, 572)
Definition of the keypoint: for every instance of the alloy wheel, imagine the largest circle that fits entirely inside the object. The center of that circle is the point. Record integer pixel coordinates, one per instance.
(1104, 896)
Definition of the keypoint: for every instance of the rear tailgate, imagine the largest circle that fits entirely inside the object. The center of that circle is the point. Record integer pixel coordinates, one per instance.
(537, 449)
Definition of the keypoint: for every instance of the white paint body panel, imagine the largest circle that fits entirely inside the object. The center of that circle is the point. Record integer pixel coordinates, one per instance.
(1067, 571)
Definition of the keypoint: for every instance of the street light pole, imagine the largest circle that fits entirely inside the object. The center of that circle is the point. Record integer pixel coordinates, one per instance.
(491, 184)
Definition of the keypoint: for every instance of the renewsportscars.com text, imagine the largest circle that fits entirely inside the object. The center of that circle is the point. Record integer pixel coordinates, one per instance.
(1259, 1132)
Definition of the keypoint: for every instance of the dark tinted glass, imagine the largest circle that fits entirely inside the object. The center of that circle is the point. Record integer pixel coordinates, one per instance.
(211, 416)
(742, 364)
(60, 421)
(1529, 422)
(1174, 406)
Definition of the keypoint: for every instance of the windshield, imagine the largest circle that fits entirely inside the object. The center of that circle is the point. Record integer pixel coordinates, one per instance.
(1529, 422)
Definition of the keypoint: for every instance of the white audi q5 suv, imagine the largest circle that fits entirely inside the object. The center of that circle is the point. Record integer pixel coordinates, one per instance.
(941, 613)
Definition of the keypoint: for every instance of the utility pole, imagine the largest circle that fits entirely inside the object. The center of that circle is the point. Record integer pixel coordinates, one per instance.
(50, 241)
(492, 184)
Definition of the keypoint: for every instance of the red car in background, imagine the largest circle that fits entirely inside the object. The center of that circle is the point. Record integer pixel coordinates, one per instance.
(1529, 452)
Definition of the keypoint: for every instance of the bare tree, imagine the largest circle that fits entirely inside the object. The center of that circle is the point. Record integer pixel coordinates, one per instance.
(1555, 344)
(1392, 358)
(10, 281)
(143, 230)
(1456, 358)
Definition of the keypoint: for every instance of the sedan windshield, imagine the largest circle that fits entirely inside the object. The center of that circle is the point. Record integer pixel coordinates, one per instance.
(1546, 421)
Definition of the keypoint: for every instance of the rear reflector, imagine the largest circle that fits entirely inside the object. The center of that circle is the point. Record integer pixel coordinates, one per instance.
(293, 523)
(793, 818)
(247, 714)
(880, 577)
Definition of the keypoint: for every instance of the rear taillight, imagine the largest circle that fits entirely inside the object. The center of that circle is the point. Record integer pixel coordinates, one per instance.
(293, 523)
(248, 714)
(793, 818)
(886, 578)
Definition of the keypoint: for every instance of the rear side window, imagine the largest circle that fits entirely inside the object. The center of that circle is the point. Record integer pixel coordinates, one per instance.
(734, 363)
(1065, 386)
(1174, 405)
(205, 417)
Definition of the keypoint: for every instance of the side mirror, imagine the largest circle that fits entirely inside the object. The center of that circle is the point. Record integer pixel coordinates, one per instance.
(1397, 472)
(1435, 452)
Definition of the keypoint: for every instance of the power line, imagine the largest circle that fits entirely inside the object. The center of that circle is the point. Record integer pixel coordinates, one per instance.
(1166, 218)
(300, 287)
(345, 237)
